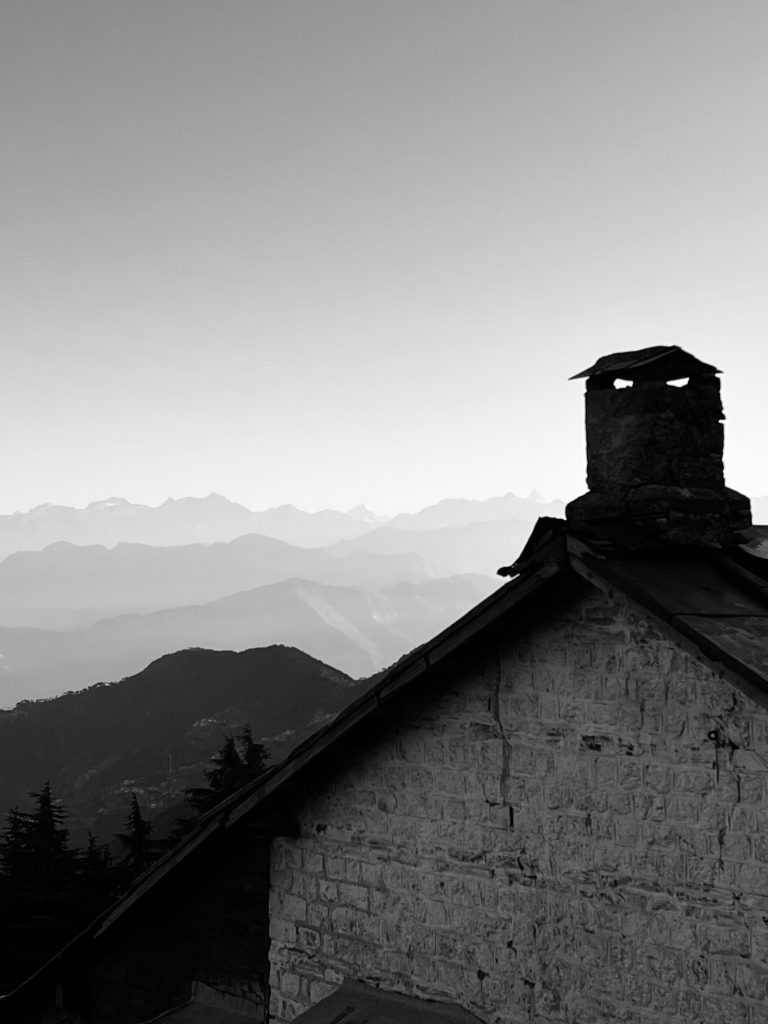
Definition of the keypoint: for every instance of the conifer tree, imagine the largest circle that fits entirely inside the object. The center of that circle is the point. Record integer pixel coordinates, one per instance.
(49, 860)
(15, 903)
(238, 761)
(39, 907)
(95, 857)
(254, 755)
(13, 847)
(137, 844)
(98, 880)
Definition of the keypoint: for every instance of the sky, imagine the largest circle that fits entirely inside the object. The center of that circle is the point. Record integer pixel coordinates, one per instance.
(325, 253)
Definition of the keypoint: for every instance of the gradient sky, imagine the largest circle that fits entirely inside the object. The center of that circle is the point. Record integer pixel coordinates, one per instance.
(333, 251)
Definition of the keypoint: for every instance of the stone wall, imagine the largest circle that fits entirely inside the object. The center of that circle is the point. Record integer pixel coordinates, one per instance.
(573, 829)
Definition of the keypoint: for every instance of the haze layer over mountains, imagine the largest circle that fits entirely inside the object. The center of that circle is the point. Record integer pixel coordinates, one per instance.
(215, 518)
(92, 595)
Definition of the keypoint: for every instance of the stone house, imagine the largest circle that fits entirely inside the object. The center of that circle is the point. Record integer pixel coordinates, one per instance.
(555, 811)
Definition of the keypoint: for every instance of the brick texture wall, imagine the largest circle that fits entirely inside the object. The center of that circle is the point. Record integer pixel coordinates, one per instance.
(571, 829)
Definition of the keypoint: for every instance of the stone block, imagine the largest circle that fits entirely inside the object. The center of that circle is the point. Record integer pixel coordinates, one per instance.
(320, 990)
(354, 895)
(313, 862)
(290, 984)
(630, 773)
(328, 891)
(649, 807)
(735, 846)
(292, 908)
(461, 754)
(752, 787)
(619, 802)
(334, 867)
(724, 1011)
(729, 939)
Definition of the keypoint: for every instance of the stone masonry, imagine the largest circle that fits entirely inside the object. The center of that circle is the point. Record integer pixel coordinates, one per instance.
(655, 461)
(573, 827)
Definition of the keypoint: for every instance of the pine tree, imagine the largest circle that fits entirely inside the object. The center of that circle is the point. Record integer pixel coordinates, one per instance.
(137, 844)
(227, 773)
(39, 904)
(48, 857)
(15, 903)
(95, 857)
(254, 755)
(98, 881)
(237, 762)
(13, 848)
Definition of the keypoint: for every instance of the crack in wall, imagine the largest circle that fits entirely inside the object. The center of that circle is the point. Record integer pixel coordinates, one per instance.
(506, 746)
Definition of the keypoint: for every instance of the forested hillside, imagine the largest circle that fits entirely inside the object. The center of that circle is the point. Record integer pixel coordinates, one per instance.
(154, 732)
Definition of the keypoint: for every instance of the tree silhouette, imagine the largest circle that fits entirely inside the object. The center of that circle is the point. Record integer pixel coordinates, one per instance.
(238, 761)
(255, 756)
(95, 857)
(139, 850)
(48, 857)
(13, 847)
(40, 886)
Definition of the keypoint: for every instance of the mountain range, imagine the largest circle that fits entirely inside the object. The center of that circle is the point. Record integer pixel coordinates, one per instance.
(215, 518)
(177, 521)
(65, 585)
(359, 631)
(349, 588)
(75, 614)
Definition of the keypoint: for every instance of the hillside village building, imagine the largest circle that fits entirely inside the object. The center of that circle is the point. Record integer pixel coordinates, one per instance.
(555, 811)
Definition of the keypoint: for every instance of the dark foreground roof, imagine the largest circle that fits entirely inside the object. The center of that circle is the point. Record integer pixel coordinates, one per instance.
(714, 600)
(199, 1013)
(355, 1003)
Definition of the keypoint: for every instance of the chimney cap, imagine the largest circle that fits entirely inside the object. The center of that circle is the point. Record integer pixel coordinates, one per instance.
(660, 362)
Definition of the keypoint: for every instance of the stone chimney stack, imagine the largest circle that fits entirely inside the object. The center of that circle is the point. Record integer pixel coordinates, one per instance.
(655, 450)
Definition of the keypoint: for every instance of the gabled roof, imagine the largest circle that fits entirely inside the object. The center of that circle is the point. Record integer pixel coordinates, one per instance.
(714, 601)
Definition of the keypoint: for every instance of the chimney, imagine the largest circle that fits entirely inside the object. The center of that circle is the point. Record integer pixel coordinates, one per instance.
(655, 450)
